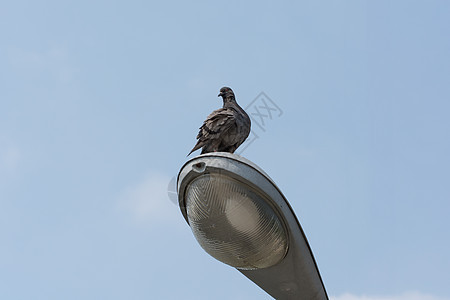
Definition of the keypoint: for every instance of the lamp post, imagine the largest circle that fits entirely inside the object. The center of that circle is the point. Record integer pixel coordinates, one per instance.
(240, 217)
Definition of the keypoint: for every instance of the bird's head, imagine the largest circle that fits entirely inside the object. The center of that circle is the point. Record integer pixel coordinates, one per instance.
(226, 93)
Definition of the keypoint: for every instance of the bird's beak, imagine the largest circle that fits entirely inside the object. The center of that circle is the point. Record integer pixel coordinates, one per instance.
(221, 94)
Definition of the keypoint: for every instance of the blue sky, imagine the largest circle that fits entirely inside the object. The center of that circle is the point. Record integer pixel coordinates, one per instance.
(101, 101)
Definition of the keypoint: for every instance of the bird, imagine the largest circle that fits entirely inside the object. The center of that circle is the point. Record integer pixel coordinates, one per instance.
(226, 128)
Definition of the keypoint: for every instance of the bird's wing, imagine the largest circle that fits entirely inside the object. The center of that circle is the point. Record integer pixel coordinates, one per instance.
(217, 122)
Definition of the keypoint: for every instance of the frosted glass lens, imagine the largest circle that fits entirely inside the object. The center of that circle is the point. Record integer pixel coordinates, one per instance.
(233, 223)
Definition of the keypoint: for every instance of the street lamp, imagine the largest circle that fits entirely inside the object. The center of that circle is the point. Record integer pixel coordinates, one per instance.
(240, 217)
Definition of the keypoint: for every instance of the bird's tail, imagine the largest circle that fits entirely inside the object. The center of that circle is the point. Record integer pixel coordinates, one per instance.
(196, 147)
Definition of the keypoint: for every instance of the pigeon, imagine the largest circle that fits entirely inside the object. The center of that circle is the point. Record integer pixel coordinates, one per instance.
(225, 129)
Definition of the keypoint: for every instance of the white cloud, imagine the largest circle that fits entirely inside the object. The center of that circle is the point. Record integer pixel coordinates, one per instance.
(404, 296)
(148, 202)
(54, 60)
(9, 158)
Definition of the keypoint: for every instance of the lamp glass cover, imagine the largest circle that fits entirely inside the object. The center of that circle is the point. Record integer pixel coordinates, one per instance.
(234, 223)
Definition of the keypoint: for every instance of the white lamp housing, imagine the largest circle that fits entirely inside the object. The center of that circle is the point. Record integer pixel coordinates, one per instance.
(239, 216)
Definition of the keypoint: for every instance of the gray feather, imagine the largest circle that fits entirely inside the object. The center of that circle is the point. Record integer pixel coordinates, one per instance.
(225, 129)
